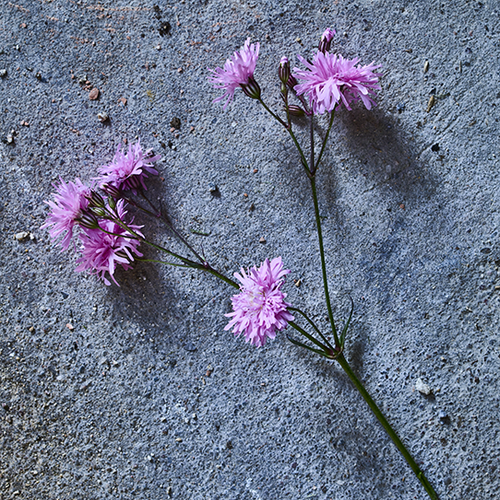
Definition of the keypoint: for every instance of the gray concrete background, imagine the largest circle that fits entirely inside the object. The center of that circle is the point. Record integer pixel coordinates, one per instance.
(147, 396)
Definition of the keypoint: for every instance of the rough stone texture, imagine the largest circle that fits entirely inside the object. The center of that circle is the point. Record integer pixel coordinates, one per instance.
(121, 406)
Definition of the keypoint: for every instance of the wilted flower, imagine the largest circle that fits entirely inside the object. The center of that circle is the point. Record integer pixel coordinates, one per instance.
(128, 171)
(70, 201)
(330, 79)
(238, 72)
(102, 252)
(260, 308)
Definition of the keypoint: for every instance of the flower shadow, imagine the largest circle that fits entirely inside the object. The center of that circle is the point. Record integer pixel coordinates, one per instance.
(377, 148)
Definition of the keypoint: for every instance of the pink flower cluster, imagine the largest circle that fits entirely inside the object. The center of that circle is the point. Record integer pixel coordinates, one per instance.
(260, 308)
(103, 242)
(327, 81)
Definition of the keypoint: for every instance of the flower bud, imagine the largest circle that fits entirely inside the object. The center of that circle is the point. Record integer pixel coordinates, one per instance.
(284, 70)
(99, 211)
(89, 221)
(292, 81)
(111, 202)
(112, 191)
(296, 111)
(326, 40)
(95, 199)
(251, 88)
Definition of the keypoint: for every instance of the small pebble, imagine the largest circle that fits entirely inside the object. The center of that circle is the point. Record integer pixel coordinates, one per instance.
(85, 385)
(190, 347)
(442, 415)
(94, 94)
(426, 66)
(103, 116)
(262, 239)
(69, 326)
(422, 387)
(213, 187)
(430, 104)
(3, 73)
(21, 236)
(175, 123)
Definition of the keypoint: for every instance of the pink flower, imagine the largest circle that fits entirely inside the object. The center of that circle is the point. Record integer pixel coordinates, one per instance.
(128, 171)
(238, 72)
(330, 79)
(101, 252)
(70, 201)
(260, 308)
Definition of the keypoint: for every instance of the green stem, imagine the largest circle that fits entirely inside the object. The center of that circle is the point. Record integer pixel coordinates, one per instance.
(162, 262)
(332, 114)
(385, 424)
(323, 263)
(169, 225)
(311, 322)
(289, 130)
(122, 224)
(212, 271)
(323, 347)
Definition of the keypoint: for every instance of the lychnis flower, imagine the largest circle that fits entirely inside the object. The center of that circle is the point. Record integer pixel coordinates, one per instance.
(128, 171)
(260, 308)
(70, 201)
(237, 72)
(102, 252)
(331, 79)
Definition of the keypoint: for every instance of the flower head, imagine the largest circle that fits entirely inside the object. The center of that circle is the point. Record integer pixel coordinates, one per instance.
(128, 171)
(260, 308)
(238, 72)
(330, 79)
(102, 252)
(70, 201)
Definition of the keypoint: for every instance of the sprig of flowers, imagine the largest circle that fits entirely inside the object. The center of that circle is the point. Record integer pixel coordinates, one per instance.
(108, 239)
(326, 82)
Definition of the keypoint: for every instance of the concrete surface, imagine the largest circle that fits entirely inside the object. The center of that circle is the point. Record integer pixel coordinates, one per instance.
(146, 396)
